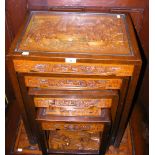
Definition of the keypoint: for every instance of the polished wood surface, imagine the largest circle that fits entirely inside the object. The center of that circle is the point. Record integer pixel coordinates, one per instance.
(72, 83)
(16, 10)
(103, 118)
(137, 9)
(79, 68)
(136, 141)
(73, 103)
(71, 140)
(73, 94)
(68, 81)
(139, 124)
(134, 55)
(76, 33)
(98, 127)
(22, 143)
(118, 3)
(69, 111)
(12, 120)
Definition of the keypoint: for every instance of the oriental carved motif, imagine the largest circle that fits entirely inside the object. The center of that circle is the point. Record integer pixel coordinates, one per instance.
(98, 127)
(75, 32)
(78, 68)
(71, 83)
(70, 111)
(22, 142)
(71, 140)
(75, 103)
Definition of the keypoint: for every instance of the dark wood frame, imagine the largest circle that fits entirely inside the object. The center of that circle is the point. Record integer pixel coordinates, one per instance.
(37, 132)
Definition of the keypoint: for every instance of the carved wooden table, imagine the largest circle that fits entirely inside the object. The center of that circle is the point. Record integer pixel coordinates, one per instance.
(74, 75)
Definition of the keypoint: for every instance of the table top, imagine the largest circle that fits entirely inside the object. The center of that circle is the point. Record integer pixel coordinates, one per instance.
(73, 32)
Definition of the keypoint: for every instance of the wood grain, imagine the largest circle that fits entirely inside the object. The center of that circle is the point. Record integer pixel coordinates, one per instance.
(104, 117)
(70, 140)
(97, 127)
(70, 111)
(77, 68)
(127, 4)
(47, 4)
(74, 103)
(89, 44)
(22, 142)
(72, 83)
(78, 33)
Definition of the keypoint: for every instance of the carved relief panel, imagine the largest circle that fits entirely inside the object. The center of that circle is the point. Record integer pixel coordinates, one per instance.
(74, 103)
(95, 127)
(70, 111)
(77, 68)
(70, 140)
(72, 83)
(76, 33)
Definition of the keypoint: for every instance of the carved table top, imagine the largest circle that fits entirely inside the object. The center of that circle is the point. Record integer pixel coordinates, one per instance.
(95, 33)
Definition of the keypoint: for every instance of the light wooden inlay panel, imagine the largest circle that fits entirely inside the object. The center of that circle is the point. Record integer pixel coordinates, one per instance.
(97, 127)
(77, 68)
(72, 83)
(70, 111)
(74, 103)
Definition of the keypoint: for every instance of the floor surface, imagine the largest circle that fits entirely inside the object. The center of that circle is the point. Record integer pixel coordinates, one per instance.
(22, 145)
